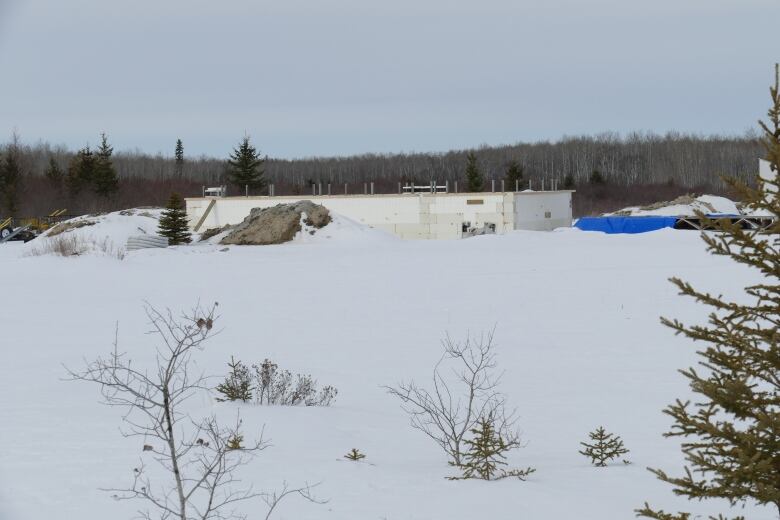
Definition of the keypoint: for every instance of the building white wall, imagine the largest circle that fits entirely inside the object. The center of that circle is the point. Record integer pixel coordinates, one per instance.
(545, 213)
(765, 173)
(764, 170)
(418, 216)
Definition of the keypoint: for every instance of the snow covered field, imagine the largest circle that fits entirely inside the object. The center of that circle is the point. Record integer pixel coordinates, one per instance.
(578, 338)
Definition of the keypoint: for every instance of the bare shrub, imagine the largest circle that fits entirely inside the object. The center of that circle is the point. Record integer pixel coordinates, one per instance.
(68, 245)
(464, 390)
(281, 387)
(199, 457)
(273, 499)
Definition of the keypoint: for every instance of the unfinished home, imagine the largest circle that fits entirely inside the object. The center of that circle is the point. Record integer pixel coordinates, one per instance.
(410, 214)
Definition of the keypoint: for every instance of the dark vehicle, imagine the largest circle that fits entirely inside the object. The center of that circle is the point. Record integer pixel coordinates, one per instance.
(10, 233)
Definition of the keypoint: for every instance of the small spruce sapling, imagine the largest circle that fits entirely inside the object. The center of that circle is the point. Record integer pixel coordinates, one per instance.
(486, 453)
(354, 455)
(605, 447)
(238, 383)
(236, 442)
(173, 222)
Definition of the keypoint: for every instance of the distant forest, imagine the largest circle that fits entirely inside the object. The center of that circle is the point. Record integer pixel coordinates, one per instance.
(608, 171)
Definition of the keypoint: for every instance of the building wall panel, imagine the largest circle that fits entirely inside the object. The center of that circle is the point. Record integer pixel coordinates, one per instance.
(412, 216)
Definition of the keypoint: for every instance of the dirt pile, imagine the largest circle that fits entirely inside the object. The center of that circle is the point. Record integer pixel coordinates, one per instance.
(64, 227)
(278, 224)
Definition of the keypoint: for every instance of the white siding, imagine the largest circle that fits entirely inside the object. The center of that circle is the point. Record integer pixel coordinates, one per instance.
(418, 216)
(542, 213)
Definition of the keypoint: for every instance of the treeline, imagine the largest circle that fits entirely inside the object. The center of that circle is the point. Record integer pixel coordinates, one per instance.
(609, 171)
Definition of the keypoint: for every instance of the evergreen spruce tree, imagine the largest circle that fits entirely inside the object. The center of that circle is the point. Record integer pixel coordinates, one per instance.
(11, 178)
(105, 181)
(81, 171)
(54, 173)
(173, 222)
(245, 167)
(238, 383)
(474, 180)
(486, 454)
(596, 178)
(568, 182)
(605, 447)
(236, 442)
(179, 158)
(731, 431)
(514, 176)
(354, 455)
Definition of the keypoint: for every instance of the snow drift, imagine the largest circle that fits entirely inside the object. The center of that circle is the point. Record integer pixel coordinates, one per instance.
(685, 206)
(103, 234)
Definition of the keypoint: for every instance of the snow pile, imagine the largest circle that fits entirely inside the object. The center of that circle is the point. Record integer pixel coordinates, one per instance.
(343, 230)
(685, 206)
(97, 234)
(340, 230)
(277, 224)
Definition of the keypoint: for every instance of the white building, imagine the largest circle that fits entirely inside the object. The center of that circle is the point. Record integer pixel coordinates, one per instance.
(765, 170)
(410, 216)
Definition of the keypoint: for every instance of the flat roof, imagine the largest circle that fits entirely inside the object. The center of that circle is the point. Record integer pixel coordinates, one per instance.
(365, 195)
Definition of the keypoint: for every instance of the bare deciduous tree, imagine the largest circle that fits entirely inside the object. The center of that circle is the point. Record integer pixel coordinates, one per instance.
(464, 390)
(273, 499)
(198, 458)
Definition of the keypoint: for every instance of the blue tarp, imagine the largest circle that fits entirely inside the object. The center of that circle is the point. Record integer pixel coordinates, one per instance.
(625, 224)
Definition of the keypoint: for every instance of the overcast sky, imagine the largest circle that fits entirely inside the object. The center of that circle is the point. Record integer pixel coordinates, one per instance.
(319, 77)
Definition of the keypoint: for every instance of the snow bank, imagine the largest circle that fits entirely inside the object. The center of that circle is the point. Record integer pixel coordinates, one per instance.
(99, 234)
(343, 230)
(683, 206)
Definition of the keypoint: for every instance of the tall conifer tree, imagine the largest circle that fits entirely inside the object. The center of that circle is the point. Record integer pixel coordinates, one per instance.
(105, 181)
(474, 180)
(54, 173)
(179, 158)
(81, 171)
(11, 177)
(245, 167)
(731, 431)
(514, 176)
